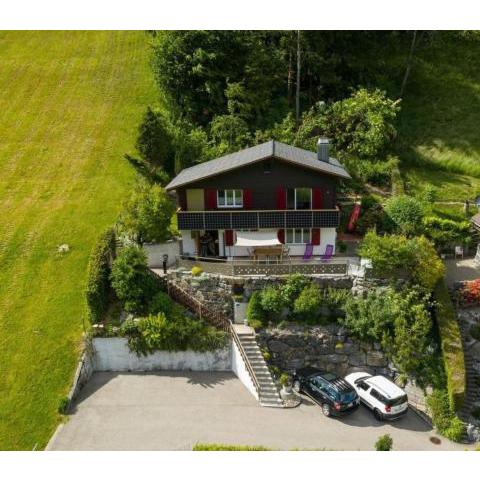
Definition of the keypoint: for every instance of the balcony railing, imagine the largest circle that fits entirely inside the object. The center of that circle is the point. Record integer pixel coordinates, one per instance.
(257, 219)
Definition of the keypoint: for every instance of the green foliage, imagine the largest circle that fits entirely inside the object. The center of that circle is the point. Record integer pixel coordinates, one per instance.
(196, 270)
(155, 141)
(221, 447)
(451, 344)
(271, 301)
(475, 331)
(147, 214)
(131, 279)
(447, 233)
(443, 416)
(393, 253)
(98, 289)
(384, 443)
(178, 332)
(406, 213)
(292, 288)
(160, 303)
(284, 379)
(361, 126)
(400, 321)
(63, 405)
(255, 311)
(307, 306)
(255, 324)
(336, 298)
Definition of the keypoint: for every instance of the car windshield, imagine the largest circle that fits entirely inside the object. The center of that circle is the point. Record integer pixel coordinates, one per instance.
(347, 397)
(396, 401)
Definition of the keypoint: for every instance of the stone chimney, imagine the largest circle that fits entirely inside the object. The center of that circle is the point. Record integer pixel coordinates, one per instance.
(323, 149)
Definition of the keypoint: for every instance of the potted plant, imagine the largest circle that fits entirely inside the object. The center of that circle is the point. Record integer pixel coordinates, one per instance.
(286, 384)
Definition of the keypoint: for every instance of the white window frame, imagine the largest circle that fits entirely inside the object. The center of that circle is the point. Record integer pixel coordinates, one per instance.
(302, 242)
(225, 190)
(295, 197)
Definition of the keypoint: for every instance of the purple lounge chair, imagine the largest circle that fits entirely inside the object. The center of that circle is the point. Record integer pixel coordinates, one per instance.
(328, 254)
(308, 252)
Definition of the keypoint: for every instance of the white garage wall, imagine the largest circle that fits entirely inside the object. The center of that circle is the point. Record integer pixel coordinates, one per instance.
(155, 252)
(188, 242)
(239, 369)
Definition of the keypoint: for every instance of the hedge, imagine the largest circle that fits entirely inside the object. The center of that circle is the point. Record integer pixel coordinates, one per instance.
(451, 343)
(215, 447)
(98, 289)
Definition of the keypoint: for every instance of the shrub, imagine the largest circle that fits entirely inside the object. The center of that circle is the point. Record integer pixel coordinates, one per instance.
(469, 293)
(284, 379)
(63, 405)
(160, 303)
(215, 447)
(255, 324)
(98, 289)
(451, 344)
(384, 443)
(147, 214)
(271, 301)
(443, 417)
(196, 271)
(336, 298)
(255, 310)
(177, 333)
(292, 288)
(406, 212)
(134, 284)
(308, 303)
(446, 233)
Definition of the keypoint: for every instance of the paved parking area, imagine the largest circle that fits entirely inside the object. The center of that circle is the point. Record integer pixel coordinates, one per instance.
(175, 410)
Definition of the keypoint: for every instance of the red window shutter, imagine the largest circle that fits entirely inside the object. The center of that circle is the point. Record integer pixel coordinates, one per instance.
(315, 236)
(281, 198)
(317, 199)
(281, 235)
(228, 238)
(247, 198)
(210, 199)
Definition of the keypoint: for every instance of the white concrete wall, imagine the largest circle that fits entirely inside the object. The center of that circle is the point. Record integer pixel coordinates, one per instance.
(238, 367)
(155, 253)
(188, 242)
(113, 354)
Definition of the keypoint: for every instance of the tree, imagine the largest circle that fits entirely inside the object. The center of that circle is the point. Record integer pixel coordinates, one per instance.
(406, 213)
(409, 63)
(147, 215)
(360, 126)
(132, 281)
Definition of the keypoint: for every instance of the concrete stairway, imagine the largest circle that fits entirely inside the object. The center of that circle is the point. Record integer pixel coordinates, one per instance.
(268, 394)
(472, 395)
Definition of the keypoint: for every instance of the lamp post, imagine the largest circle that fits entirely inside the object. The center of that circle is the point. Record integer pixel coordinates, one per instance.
(165, 260)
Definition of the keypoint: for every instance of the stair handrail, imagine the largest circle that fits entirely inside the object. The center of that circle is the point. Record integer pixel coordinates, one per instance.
(215, 318)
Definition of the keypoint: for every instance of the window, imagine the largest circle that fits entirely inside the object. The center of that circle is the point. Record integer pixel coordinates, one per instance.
(298, 235)
(299, 198)
(230, 198)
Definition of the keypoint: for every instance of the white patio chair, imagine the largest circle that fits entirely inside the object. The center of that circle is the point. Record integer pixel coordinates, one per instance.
(458, 251)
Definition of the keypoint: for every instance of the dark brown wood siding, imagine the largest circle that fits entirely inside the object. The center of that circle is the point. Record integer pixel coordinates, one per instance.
(264, 185)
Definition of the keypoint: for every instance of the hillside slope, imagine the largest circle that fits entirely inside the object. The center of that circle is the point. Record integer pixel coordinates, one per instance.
(71, 103)
(438, 132)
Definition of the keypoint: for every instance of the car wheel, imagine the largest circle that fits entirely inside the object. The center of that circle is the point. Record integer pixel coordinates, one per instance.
(378, 415)
(297, 387)
(326, 409)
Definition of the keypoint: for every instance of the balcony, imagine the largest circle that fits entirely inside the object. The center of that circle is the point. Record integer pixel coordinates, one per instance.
(257, 219)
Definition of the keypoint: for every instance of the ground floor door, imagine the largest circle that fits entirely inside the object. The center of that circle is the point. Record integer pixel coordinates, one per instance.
(209, 244)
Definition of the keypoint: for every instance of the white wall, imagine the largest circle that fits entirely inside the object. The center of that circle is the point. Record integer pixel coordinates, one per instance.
(238, 367)
(189, 247)
(155, 253)
(113, 354)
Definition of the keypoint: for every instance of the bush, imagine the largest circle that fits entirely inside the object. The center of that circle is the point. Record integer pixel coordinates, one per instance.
(98, 289)
(336, 298)
(255, 310)
(177, 333)
(308, 303)
(292, 288)
(271, 301)
(216, 447)
(405, 212)
(284, 379)
(446, 233)
(147, 214)
(255, 324)
(196, 271)
(443, 417)
(160, 303)
(469, 293)
(134, 284)
(384, 443)
(451, 344)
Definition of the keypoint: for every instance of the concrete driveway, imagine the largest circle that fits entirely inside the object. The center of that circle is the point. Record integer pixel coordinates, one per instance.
(175, 410)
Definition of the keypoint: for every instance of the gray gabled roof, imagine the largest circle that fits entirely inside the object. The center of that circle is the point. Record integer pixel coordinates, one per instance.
(299, 156)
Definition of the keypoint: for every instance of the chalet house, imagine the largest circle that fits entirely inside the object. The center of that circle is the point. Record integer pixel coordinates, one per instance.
(272, 194)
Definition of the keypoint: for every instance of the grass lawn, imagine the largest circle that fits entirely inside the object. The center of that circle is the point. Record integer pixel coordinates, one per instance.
(71, 103)
(440, 117)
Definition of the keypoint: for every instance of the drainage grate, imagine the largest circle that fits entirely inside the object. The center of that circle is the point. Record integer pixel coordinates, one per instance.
(435, 440)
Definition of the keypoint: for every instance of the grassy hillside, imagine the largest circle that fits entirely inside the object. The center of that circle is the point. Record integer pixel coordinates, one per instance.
(440, 117)
(71, 103)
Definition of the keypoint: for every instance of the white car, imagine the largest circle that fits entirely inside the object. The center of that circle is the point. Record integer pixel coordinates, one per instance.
(387, 400)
